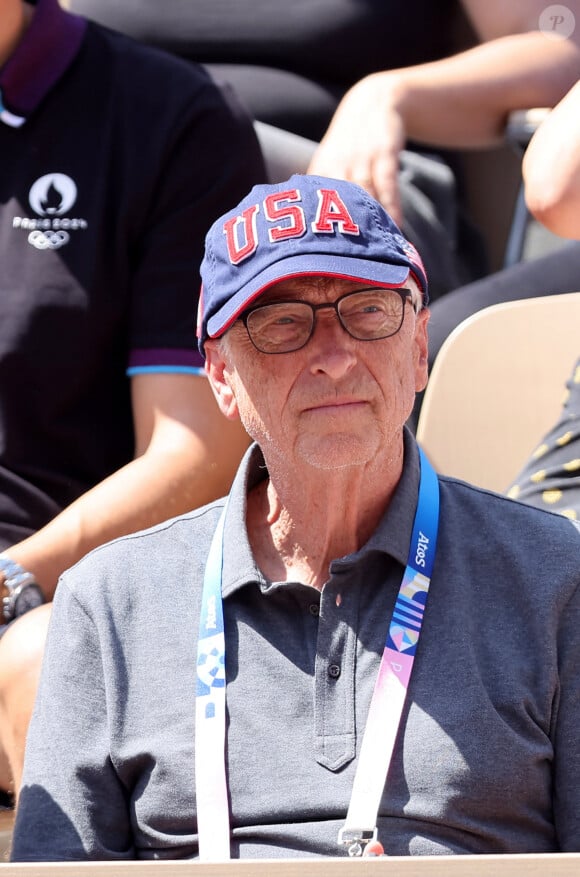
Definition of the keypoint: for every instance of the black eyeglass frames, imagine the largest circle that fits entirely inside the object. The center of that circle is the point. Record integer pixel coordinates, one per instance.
(285, 326)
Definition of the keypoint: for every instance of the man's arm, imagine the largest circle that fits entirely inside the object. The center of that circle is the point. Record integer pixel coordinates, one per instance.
(551, 168)
(460, 101)
(186, 455)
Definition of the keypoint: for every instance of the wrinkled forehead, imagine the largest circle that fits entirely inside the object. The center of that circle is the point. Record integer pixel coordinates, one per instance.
(310, 287)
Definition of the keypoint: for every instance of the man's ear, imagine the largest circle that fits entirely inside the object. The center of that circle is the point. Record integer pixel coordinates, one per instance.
(218, 375)
(421, 349)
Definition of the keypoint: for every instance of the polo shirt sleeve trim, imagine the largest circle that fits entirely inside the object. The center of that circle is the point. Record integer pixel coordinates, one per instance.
(165, 360)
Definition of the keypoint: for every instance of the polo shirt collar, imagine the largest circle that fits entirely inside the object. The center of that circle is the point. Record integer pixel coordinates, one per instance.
(392, 536)
(46, 51)
(239, 567)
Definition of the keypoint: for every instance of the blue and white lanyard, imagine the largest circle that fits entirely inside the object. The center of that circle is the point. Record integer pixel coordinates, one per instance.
(384, 712)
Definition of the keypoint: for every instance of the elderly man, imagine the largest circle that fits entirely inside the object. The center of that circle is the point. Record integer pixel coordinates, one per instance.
(383, 656)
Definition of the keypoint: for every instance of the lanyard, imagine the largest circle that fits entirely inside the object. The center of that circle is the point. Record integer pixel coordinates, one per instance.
(213, 821)
(384, 712)
(392, 682)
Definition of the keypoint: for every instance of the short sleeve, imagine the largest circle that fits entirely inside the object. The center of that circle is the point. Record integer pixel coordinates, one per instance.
(72, 806)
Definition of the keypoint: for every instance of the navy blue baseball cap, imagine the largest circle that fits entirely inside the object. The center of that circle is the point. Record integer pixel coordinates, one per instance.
(307, 225)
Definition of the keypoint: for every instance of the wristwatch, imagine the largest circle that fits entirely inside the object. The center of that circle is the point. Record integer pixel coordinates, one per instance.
(24, 591)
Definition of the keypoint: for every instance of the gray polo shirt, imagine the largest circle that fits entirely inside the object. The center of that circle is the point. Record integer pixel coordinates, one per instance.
(487, 759)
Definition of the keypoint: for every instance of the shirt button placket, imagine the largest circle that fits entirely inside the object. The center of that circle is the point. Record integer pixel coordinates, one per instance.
(335, 732)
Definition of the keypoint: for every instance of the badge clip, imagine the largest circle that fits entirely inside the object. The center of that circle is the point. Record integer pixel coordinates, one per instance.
(356, 839)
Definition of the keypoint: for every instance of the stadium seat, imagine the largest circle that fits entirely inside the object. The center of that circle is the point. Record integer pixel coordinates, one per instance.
(497, 386)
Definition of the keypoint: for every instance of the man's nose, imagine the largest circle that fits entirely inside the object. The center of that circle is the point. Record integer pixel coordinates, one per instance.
(332, 349)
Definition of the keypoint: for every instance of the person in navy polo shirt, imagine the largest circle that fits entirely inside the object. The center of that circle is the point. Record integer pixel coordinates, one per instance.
(360, 654)
(116, 158)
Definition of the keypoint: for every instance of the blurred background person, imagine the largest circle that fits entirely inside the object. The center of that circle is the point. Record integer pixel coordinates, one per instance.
(551, 477)
(115, 160)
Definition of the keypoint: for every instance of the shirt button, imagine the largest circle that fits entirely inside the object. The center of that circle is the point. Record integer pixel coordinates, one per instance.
(314, 609)
(334, 671)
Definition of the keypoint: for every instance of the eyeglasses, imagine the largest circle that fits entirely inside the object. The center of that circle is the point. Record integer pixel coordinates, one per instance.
(286, 326)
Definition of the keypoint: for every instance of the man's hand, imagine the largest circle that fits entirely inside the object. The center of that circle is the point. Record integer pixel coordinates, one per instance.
(364, 140)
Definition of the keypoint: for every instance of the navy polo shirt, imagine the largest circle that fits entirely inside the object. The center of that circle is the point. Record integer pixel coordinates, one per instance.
(116, 158)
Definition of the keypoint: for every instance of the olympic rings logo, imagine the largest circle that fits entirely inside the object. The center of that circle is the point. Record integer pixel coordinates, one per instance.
(48, 240)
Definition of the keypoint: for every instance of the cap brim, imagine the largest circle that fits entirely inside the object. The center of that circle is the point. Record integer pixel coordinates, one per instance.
(311, 264)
